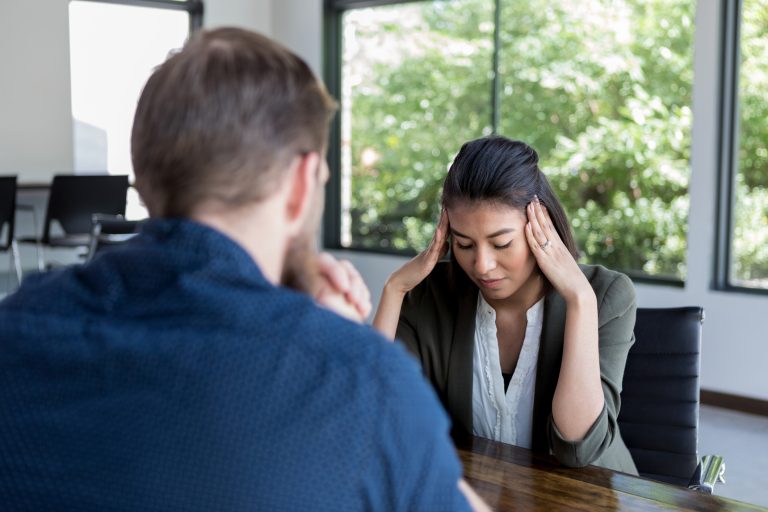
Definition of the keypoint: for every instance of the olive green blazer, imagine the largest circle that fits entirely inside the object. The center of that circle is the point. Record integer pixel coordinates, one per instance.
(437, 324)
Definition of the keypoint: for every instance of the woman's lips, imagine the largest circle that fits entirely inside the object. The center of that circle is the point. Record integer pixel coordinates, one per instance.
(489, 283)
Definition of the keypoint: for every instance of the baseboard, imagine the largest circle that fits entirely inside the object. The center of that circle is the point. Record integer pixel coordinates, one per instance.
(734, 402)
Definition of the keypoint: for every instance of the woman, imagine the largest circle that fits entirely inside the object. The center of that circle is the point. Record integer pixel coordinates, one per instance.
(522, 344)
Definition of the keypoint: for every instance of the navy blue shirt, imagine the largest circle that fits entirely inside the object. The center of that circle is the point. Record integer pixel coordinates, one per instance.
(169, 374)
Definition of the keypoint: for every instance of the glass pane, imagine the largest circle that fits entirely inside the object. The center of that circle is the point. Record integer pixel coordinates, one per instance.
(416, 84)
(114, 48)
(750, 234)
(602, 90)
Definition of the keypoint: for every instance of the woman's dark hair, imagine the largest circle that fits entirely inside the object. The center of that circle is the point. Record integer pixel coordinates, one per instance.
(497, 169)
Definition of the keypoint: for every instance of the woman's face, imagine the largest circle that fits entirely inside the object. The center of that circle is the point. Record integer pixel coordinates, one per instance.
(488, 240)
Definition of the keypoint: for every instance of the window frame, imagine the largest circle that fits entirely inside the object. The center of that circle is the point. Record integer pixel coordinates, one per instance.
(728, 148)
(333, 10)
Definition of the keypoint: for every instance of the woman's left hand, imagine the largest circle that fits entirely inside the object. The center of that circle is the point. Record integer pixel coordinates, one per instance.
(553, 257)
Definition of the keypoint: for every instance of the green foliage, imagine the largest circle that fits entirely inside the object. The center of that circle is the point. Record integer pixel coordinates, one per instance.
(603, 93)
(410, 117)
(600, 88)
(750, 236)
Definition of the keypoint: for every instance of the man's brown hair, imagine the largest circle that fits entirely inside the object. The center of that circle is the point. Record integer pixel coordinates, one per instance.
(218, 121)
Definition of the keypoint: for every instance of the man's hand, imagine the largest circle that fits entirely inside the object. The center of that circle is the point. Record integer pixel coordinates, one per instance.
(341, 288)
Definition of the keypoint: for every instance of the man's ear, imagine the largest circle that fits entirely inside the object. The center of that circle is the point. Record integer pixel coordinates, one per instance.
(303, 183)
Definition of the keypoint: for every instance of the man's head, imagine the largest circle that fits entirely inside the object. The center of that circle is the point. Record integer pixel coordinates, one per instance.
(218, 124)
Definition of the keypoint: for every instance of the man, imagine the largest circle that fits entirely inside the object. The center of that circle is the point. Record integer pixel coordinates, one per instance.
(175, 373)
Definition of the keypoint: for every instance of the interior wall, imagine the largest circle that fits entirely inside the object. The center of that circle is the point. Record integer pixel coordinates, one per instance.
(298, 25)
(252, 14)
(35, 105)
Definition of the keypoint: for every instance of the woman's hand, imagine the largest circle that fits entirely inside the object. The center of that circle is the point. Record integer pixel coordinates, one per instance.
(407, 277)
(342, 289)
(553, 257)
(578, 398)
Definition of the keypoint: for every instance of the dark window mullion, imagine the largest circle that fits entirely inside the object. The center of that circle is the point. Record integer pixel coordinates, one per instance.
(729, 123)
(332, 74)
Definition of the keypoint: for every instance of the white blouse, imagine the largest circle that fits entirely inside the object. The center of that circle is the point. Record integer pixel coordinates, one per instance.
(505, 417)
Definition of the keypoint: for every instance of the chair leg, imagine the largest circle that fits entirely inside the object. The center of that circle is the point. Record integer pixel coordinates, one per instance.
(39, 244)
(16, 260)
(40, 257)
(8, 277)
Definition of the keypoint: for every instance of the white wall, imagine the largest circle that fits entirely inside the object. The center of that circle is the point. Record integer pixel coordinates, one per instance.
(35, 108)
(252, 14)
(297, 24)
(735, 342)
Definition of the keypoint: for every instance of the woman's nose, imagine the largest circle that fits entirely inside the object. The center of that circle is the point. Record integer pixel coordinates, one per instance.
(484, 262)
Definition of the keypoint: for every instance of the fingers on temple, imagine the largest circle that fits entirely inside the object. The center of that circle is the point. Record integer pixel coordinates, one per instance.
(543, 217)
(533, 243)
(533, 221)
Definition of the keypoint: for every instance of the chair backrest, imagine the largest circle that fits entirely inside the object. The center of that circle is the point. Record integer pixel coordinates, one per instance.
(659, 416)
(74, 199)
(7, 209)
(111, 230)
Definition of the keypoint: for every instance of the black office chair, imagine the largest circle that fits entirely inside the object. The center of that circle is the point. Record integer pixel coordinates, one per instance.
(109, 231)
(659, 418)
(7, 224)
(72, 201)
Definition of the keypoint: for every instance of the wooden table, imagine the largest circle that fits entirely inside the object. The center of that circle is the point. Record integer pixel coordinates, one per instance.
(513, 478)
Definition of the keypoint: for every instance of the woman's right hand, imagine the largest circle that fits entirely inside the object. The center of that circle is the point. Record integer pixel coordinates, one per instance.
(407, 277)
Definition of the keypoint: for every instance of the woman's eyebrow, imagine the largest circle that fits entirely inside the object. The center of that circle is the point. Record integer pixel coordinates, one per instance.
(501, 232)
(492, 235)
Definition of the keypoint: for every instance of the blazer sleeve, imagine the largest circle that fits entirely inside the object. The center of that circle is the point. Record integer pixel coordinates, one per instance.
(616, 323)
(406, 325)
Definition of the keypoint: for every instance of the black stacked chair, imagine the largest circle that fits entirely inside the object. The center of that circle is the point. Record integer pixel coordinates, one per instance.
(659, 416)
(8, 222)
(72, 201)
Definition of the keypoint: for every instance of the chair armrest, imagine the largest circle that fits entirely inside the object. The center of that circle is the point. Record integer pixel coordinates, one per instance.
(709, 472)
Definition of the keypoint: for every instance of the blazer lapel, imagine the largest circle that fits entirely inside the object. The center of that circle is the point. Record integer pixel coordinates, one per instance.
(548, 368)
(459, 378)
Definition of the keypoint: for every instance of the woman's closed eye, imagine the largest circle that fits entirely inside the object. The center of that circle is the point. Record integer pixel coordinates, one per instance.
(459, 245)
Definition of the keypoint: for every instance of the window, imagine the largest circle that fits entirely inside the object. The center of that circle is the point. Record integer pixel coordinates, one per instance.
(744, 206)
(601, 89)
(114, 47)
